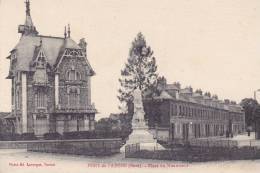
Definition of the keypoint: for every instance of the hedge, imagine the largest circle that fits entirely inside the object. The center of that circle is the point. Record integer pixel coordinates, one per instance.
(52, 136)
(17, 137)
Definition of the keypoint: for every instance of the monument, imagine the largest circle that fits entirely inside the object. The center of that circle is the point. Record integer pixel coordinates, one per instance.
(140, 133)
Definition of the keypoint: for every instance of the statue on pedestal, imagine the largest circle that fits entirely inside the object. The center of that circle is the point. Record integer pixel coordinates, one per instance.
(140, 134)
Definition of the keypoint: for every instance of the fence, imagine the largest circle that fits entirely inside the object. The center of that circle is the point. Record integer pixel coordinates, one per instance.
(131, 148)
(226, 143)
(199, 154)
(250, 143)
(13, 144)
(213, 143)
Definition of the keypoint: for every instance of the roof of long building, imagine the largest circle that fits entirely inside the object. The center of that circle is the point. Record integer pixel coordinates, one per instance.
(169, 91)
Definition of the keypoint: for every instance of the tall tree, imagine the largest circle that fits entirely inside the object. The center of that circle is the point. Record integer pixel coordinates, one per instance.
(139, 71)
(250, 105)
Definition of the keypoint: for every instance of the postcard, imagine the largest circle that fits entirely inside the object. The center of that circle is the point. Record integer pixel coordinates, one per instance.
(129, 86)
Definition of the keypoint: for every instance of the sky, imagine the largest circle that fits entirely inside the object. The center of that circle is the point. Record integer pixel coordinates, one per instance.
(209, 44)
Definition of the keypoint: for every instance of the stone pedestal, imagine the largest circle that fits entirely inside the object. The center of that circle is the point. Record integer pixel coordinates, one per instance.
(144, 138)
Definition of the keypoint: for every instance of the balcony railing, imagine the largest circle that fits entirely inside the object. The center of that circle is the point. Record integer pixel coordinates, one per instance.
(75, 109)
(73, 82)
(35, 83)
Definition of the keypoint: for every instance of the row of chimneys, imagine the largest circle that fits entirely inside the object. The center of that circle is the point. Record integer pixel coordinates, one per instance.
(162, 80)
(208, 94)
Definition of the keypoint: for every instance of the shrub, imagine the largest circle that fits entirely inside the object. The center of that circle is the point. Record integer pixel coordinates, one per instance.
(79, 135)
(10, 137)
(52, 136)
(28, 136)
(97, 134)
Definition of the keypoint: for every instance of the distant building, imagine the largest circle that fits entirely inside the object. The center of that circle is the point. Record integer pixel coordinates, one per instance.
(180, 113)
(257, 123)
(51, 90)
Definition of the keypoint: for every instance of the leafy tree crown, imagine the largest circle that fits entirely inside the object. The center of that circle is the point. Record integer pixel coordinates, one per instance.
(139, 71)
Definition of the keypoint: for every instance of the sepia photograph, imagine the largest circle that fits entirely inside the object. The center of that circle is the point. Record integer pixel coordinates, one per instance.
(129, 86)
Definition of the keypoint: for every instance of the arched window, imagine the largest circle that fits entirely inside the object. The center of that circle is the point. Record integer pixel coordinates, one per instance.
(72, 75)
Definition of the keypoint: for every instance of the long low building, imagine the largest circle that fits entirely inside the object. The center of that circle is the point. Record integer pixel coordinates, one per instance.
(176, 113)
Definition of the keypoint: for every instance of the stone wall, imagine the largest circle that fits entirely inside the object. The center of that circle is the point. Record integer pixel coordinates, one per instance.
(94, 147)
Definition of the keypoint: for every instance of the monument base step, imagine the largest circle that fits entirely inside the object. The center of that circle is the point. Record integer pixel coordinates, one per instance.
(140, 136)
(143, 137)
(145, 146)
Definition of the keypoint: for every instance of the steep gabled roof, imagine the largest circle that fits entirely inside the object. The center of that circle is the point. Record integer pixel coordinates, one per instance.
(25, 50)
(67, 44)
(70, 44)
(31, 43)
(28, 48)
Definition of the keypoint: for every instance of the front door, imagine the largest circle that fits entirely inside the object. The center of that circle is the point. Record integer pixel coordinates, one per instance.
(41, 125)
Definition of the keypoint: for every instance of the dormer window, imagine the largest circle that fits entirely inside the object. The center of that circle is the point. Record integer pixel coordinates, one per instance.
(13, 56)
(40, 75)
(13, 60)
(41, 60)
